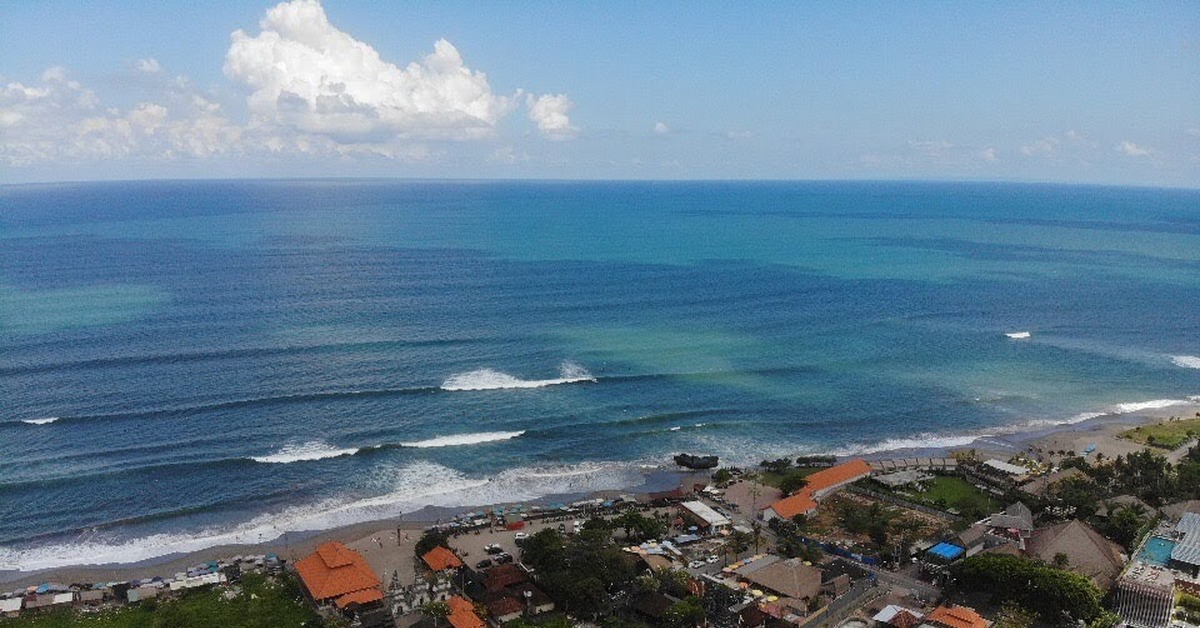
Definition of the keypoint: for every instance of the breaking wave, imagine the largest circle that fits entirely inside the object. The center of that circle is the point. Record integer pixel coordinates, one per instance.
(463, 439)
(45, 421)
(408, 489)
(1186, 361)
(313, 450)
(491, 379)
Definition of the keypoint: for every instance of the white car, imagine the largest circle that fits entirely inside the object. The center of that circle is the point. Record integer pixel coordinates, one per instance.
(712, 559)
(521, 536)
(696, 564)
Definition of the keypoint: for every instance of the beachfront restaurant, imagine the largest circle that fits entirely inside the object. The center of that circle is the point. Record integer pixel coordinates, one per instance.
(704, 517)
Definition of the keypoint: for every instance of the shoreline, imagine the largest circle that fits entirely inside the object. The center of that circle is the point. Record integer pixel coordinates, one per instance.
(1100, 430)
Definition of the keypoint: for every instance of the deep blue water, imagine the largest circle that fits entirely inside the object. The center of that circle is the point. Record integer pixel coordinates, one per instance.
(209, 348)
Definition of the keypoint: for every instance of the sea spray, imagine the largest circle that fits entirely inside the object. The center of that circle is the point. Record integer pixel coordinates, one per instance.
(491, 379)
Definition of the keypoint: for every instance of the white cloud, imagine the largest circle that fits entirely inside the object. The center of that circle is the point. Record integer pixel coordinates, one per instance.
(939, 148)
(987, 154)
(58, 119)
(661, 128)
(1130, 149)
(1045, 147)
(1194, 132)
(149, 66)
(305, 74)
(312, 90)
(549, 112)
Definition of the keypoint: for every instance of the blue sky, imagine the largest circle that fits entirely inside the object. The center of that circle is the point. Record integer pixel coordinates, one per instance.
(1074, 92)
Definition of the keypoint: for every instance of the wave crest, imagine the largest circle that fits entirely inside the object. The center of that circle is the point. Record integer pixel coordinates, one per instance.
(46, 421)
(1186, 361)
(491, 379)
(463, 439)
(313, 450)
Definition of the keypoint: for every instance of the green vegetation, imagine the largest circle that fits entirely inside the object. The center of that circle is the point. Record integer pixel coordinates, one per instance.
(262, 603)
(582, 572)
(947, 492)
(430, 540)
(1047, 591)
(1169, 434)
(781, 479)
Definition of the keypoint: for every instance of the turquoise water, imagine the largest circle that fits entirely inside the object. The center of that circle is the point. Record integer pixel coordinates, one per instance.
(227, 360)
(1157, 551)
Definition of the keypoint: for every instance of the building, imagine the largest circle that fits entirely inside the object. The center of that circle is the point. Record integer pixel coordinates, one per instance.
(1017, 518)
(1145, 604)
(1185, 556)
(338, 575)
(899, 616)
(953, 616)
(1042, 486)
(789, 578)
(819, 485)
(709, 520)
(1087, 552)
(462, 613)
(441, 559)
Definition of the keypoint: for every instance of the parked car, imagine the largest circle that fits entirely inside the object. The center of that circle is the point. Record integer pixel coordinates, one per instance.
(712, 559)
(696, 564)
(494, 548)
(521, 536)
(503, 558)
(484, 564)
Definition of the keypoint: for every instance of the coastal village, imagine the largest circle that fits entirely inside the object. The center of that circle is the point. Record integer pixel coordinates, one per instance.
(1041, 538)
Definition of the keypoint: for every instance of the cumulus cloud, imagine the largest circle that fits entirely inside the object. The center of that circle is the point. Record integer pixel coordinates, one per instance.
(661, 128)
(58, 119)
(312, 90)
(549, 112)
(304, 73)
(987, 154)
(1045, 147)
(1129, 149)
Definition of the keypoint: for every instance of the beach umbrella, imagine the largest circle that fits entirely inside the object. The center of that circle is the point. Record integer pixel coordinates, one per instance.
(772, 598)
(756, 593)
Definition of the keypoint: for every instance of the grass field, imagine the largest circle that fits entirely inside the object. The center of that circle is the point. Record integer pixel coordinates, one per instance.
(954, 493)
(771, 478)
(1167, 435)
(262, 603)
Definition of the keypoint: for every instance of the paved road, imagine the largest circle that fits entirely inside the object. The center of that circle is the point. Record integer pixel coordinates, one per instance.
(899, 579)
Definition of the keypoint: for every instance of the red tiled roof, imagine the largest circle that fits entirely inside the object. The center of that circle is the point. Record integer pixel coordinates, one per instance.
(505, 606)
(462, 614)
(805, 499)
(441, 559)
(957, 617)
(504, 576)
(366, 596)
(335, 570)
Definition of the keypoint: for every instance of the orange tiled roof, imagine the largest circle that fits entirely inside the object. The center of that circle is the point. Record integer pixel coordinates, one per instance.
(441, 559)
(335, 570)
(462, 613)
(957, 617)
(366, 596)
(805, 499)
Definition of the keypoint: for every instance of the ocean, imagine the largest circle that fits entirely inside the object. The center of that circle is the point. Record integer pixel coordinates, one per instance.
(185, 364)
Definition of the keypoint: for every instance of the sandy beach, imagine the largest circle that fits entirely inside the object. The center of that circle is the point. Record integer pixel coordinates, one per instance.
(388, 545)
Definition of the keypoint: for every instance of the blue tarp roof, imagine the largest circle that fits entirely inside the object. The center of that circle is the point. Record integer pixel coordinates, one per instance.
(947, 551)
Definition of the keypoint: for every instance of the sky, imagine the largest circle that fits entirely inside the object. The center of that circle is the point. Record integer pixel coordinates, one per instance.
(1077, 92)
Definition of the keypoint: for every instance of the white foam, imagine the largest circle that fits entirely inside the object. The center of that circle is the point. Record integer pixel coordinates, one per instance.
(1186, 361)
(1018, 335)
(491, 379)
(1154, 404)
(676, 428)
(45, 421)
(314, 450)
(404, 490)
(920, 441)
(464, 439)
